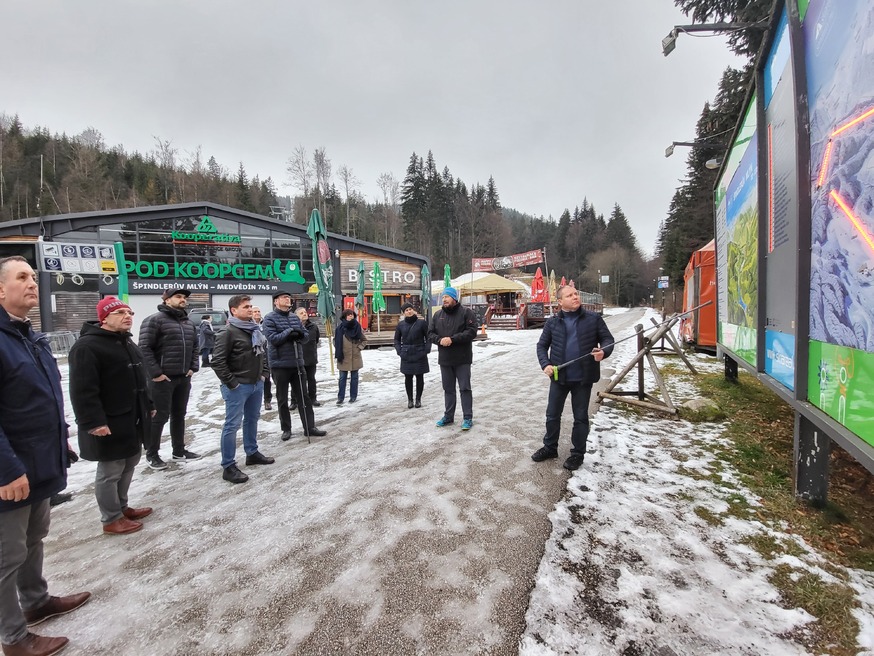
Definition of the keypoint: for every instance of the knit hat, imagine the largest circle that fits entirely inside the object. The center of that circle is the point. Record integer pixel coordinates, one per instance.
(405, 306)
(452, 293)
(109, 304)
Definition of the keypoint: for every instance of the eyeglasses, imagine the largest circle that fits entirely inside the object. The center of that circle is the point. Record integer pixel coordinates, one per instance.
(120, 313)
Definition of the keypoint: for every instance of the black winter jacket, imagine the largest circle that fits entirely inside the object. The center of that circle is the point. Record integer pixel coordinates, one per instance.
(234, 361)
(591, 333)
(108, 387)
(459, 323)
(168, 340)
(283, 330)
(33, 432)
(311, 346)
(205, 335)
(411, 343)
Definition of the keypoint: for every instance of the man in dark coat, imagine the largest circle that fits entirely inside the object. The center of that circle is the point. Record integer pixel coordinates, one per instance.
(206, 339)
(168, 341)
(570, 337)
(240, 362)
(310, 354)
(285, 335)
(453, 329)
(33, 465)
(412, 345)
(110, 397)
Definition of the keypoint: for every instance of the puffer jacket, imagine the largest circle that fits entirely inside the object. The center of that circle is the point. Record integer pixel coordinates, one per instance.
(168, 340)
(108, 387)
(33, 432)
(591, 332)
(412, 345)
(283, 331)
(459, 323)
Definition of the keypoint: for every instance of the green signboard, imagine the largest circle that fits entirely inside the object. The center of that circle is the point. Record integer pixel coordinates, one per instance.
(288, 271)
(840, 381)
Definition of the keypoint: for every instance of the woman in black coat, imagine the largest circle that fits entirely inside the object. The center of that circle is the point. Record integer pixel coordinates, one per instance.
(110, 399)
(412, 344)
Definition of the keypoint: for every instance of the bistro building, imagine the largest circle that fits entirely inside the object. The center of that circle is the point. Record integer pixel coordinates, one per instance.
(212, 250)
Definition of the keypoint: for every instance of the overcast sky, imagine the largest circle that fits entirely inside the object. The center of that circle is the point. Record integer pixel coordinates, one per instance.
(557, 100)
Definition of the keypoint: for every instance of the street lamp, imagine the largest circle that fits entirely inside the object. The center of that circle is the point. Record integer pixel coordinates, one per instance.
(599, 282)
(669, 43)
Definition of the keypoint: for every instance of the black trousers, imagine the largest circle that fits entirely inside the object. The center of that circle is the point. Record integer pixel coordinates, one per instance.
(171, 402)
(283, 377)
(450, 376)
(311, 382)
(268, 394)
(420, 384)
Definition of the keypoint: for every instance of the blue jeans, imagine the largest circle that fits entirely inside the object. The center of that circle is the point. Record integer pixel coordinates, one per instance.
(580, 395)
(242, 406)
(353, 386)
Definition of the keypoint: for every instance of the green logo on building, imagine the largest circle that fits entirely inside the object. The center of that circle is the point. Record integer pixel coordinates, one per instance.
(206, 225)
(206, 234)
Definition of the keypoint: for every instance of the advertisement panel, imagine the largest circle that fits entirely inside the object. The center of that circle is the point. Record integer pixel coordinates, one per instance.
(506, 261)
(840, 73)
(741, 256)
(781, 212)
(740, 339)
(840, 381)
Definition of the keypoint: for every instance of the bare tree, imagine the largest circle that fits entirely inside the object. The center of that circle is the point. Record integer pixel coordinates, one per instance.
(350, 184)
(322, 166)
(300, 171)
(165, 157)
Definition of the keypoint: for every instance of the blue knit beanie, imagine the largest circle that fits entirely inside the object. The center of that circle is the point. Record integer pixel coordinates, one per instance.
(452, 293)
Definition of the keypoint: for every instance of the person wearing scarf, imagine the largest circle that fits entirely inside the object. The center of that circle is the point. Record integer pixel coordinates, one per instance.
(349, 341)
(240, 362)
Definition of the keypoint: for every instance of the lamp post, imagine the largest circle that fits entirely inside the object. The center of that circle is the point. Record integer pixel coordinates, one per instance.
(599, 282)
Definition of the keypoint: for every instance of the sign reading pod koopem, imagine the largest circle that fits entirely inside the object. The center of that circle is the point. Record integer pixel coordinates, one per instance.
(288, 272)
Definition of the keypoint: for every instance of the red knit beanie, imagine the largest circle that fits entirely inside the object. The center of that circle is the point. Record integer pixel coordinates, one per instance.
(109, 304)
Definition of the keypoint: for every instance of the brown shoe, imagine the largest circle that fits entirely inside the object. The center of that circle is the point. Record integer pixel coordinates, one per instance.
(55, 606)
(136, 513)
(34, 645)
(122, 525)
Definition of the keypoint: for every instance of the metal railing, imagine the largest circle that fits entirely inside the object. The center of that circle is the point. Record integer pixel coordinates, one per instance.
(61, 342)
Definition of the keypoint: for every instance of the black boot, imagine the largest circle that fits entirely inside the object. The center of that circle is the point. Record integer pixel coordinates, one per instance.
(419, 402)
(410, 402)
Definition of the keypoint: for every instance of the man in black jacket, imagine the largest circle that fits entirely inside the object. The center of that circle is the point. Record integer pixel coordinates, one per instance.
(168, 340)
(453, 329)
(578, 340)
(110, 398)
(240, 362)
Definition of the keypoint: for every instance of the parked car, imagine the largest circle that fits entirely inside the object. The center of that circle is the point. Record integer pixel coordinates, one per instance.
(219, 317)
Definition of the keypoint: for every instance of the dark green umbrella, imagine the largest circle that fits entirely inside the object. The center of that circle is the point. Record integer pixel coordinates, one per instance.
(323, 270)
(426, 292)
(377, 302)
(359, 299)
(447, 279)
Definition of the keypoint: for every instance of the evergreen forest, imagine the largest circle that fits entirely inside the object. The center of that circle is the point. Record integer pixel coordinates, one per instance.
(429, 211)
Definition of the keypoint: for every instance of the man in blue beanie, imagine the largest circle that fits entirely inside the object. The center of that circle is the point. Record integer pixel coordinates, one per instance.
(453, 329)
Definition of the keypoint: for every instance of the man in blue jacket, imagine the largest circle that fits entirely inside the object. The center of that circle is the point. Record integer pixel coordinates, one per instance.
(577, 340)
(285, 336)
(33, 466)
